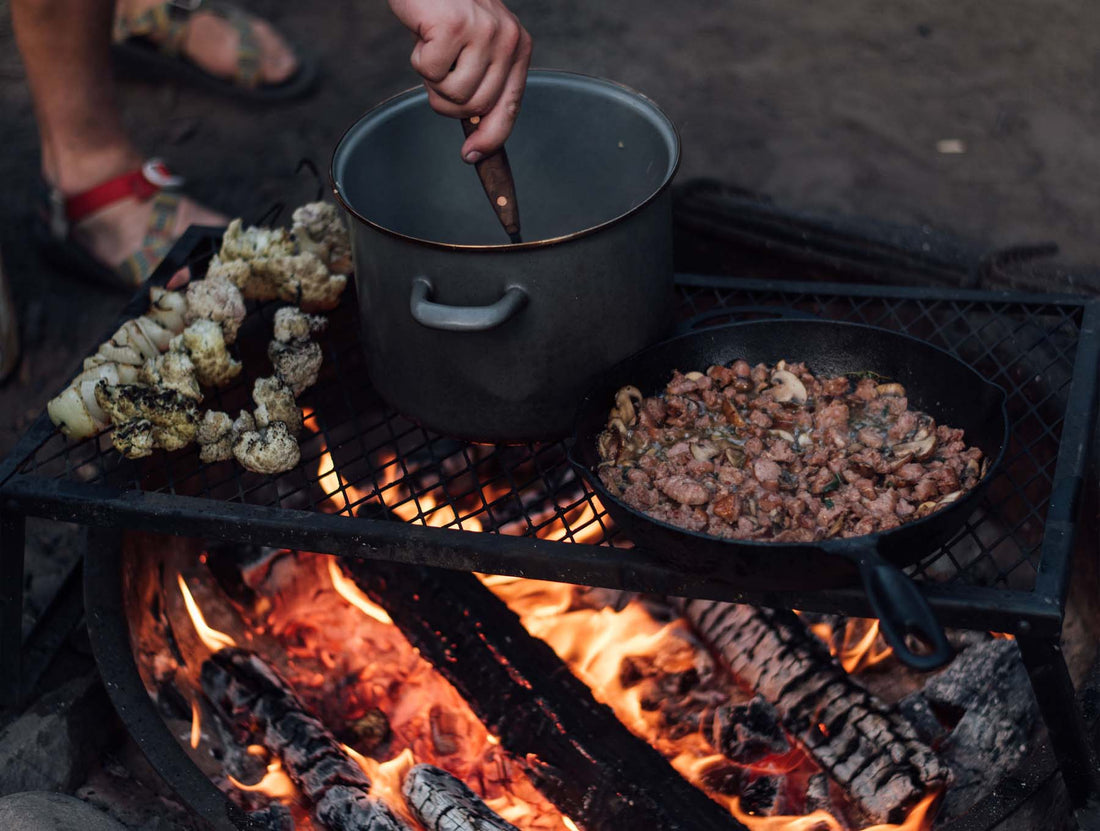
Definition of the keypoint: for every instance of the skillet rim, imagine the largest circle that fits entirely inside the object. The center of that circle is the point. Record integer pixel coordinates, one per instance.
(844, 544)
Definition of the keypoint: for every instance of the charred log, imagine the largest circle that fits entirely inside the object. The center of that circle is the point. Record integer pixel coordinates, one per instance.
(868, 748)
(987, 698)
(250, 696)
(440, 802)
(761, 796)
(578, 753)
(747, 733)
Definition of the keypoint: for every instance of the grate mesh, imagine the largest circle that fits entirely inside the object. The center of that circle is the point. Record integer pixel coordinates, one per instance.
(359, 456)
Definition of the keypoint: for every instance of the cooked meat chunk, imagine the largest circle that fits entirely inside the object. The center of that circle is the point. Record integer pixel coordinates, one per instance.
(763, 452)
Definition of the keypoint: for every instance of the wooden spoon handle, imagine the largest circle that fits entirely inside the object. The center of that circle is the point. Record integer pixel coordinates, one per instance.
(496, 177)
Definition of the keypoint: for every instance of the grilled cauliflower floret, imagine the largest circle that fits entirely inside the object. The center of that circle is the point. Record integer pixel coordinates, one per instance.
(216, 437)
(167, 308)
(205, 344)
(174, 371)
(134, 439)
(319, 229)
(271, 449)
(218, 299)
(275, 402)
(296, 364)
(174, 417)
(240, 243)
(302, 279)
(236, 272)
(292, 324)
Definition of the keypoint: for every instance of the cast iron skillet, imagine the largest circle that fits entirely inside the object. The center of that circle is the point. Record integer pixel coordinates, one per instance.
(935, 381)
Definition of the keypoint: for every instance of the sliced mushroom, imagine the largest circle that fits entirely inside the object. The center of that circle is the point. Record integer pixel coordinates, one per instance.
(704, 451)
(694, 376)
(735, 457)
(919, 449)
(626, 401)
(890, 389)
(731, 414)
(948, 499)
(609, 444)
(925, 508)
(783, 434)
(617, 423)
(788, 387)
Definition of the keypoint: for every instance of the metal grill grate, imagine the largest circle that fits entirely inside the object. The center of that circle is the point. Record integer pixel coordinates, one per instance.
(381, 463)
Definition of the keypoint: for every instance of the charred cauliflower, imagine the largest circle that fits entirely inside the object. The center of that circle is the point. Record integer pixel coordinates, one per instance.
(204, 342)
(275, 402)
(240, 243)
(296, 364)
(174, 417)
(292, 324)
(174, 371)
(319, 229)
(269, 450)
(218, 299)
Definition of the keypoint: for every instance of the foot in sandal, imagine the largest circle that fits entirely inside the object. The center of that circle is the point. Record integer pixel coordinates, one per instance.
(213, 43)
(117, 222)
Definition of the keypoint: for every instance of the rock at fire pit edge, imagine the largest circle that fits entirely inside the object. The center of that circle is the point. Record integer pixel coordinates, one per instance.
(45, 811)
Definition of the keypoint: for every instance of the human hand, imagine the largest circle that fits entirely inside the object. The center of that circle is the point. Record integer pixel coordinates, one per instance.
(473, 56)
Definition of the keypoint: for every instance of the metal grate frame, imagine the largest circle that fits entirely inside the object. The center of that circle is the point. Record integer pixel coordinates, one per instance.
(1007, 569)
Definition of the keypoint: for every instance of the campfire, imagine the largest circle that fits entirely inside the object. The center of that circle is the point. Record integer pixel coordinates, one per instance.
(722, 692)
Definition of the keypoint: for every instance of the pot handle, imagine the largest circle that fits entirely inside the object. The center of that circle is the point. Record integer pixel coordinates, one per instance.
(901, 609)
(462, 318)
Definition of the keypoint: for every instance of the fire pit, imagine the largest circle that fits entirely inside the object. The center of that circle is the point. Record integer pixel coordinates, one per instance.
(519, 511)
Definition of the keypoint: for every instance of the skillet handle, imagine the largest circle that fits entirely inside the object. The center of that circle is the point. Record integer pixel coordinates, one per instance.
(901, 610)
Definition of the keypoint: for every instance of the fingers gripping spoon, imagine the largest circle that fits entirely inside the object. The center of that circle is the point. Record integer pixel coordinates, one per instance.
(496, 177)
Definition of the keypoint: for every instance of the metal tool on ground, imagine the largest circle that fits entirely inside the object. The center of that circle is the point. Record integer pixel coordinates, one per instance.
(496, 177)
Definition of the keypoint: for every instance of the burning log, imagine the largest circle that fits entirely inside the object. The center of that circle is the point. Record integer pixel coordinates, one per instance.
(251, 696)
(859, 740)
(748, 733)
(577, 751)
(443, 803)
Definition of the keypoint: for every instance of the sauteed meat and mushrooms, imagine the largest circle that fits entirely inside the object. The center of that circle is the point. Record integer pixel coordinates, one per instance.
(776, 453)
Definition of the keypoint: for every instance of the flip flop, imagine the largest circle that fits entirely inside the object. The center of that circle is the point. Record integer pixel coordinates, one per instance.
(151, 43)
(52, 226)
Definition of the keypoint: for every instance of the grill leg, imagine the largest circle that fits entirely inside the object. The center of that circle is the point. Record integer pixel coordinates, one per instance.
(12, 533)
(1058, 704)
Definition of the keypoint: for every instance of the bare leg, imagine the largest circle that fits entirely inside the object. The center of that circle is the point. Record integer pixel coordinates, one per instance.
(65, 48)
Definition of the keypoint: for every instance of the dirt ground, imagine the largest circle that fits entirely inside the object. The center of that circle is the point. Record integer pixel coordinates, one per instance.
(832, 106)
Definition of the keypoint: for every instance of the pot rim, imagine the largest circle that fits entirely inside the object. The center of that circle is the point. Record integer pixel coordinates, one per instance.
(513, 246)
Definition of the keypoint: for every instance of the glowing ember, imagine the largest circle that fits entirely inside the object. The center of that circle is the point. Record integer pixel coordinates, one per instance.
(348, 664)
(211, 638)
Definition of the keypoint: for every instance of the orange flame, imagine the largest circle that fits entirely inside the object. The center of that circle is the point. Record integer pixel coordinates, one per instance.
(275, 784)
(386, 778)
(211, 638)
(594, 642)
(354, 595)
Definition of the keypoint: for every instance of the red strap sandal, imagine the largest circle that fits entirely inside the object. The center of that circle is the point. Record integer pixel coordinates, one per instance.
(152, 181)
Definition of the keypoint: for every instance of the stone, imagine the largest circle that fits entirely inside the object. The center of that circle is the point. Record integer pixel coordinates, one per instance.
(44, 811)
(54, 743)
